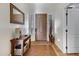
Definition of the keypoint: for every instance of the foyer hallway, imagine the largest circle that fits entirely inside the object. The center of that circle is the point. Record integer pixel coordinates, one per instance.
(40, 48)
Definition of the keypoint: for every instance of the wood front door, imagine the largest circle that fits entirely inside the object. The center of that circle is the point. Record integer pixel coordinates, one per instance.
(41, 26)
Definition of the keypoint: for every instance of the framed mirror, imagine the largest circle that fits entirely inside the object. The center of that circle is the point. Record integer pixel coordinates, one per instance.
(16, 15)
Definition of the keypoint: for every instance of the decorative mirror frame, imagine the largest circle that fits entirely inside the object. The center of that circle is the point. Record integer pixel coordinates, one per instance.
(11, 14)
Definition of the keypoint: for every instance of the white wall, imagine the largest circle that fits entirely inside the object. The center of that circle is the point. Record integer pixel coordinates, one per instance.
(60, 26)
(44, 8)
(31, 20)
(6, 27)
(32, 26)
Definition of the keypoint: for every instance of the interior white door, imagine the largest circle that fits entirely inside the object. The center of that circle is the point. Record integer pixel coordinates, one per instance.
(73, 31)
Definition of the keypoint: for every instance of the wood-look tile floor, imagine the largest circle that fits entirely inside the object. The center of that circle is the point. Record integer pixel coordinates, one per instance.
(40, 50)
(43, 48)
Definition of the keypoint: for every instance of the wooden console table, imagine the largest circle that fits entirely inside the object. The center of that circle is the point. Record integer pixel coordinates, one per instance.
(24, 46)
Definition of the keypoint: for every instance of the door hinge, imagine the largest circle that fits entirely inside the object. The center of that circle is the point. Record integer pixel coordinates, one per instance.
(66, 13)
(66, 47)
(69, 7)
(66, 30)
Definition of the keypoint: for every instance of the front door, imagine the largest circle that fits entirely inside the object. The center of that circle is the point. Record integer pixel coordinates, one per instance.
(41, 26)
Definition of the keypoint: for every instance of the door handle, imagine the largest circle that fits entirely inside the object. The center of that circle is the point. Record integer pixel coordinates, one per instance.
(35, 29)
